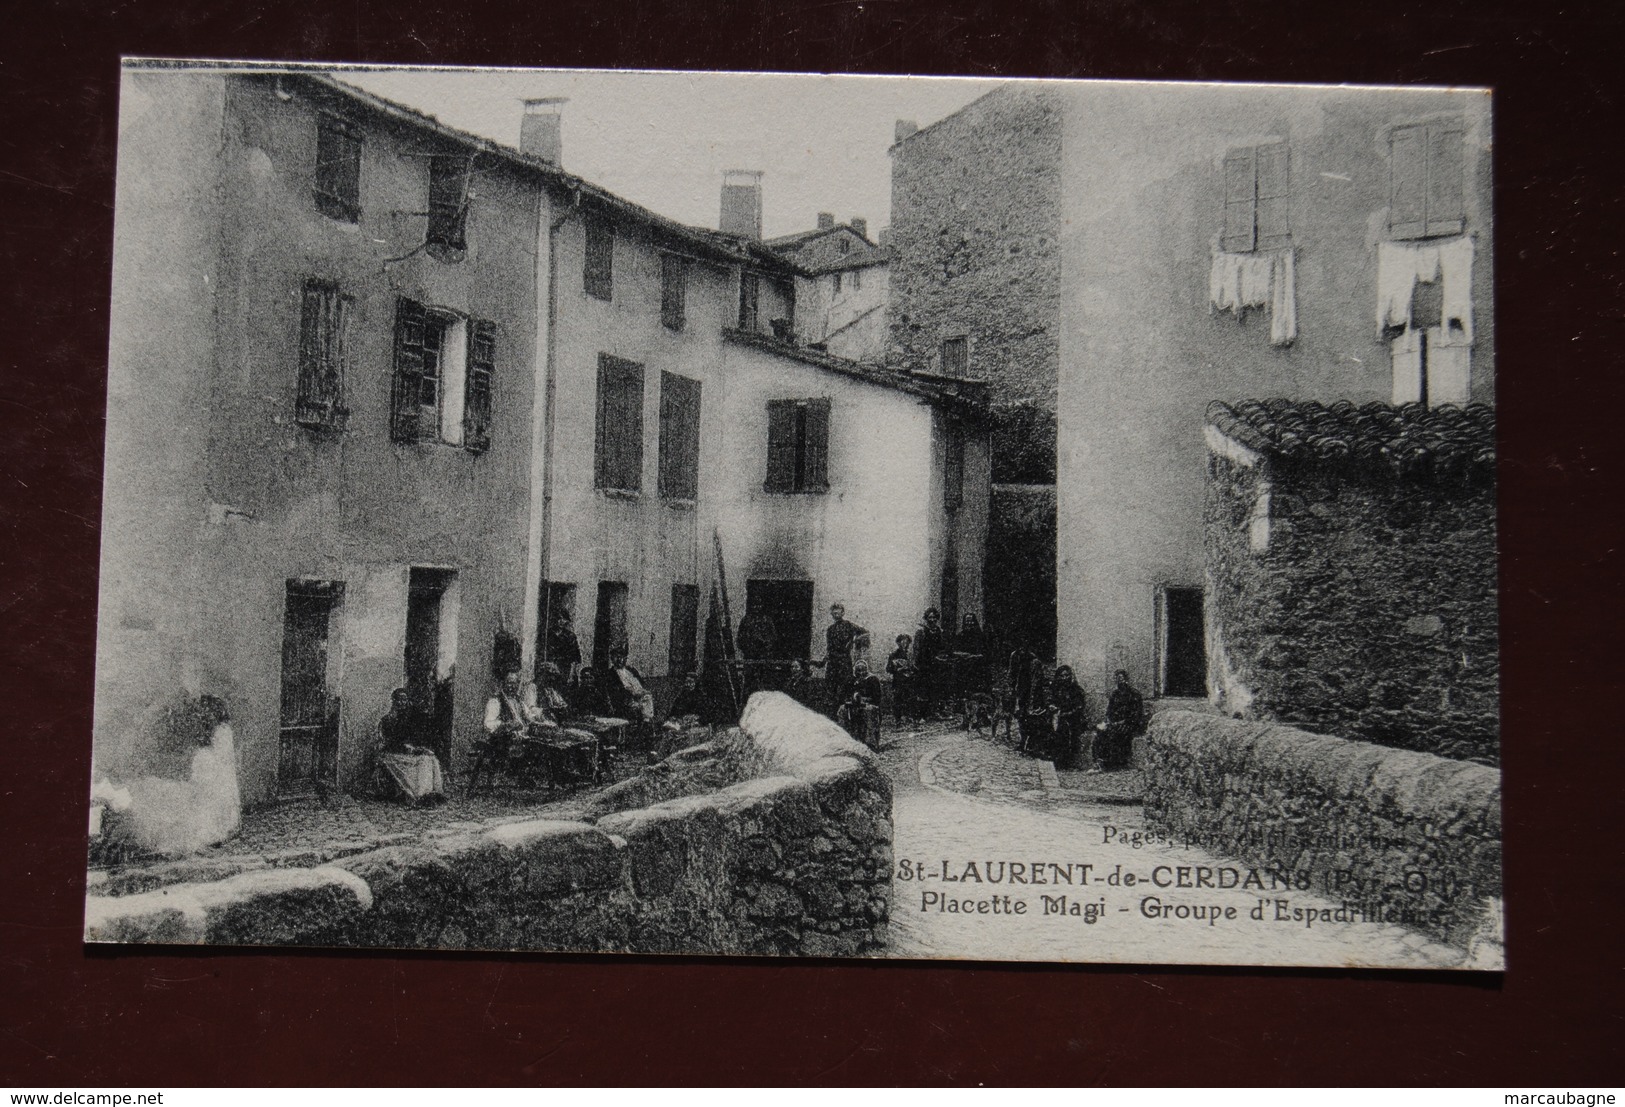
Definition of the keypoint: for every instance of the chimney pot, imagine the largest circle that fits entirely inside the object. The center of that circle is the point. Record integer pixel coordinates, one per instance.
(861, 225)
(741, 203)
(540, 131)
(826, 220)
(904, 128)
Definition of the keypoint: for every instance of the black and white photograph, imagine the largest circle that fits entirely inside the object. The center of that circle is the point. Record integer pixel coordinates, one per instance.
(852, 517)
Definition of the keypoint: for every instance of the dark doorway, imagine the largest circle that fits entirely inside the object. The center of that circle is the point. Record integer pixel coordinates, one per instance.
(685, 629)
(555, 599)
(428, 672)
(609, 624)
(307, 759)
(1184, 649)
(789, 603)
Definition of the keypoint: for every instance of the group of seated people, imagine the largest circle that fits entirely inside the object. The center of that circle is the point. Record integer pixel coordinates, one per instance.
(1052, 717)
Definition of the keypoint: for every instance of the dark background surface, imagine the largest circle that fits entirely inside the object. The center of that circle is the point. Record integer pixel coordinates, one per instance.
(71, 1016)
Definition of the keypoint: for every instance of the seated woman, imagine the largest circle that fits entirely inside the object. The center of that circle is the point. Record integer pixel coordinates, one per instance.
(178, 817)
(406, 769)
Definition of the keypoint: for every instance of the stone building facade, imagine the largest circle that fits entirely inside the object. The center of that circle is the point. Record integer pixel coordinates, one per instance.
(384, 397)
(1351, 564)
(976, 289)
(841, 302)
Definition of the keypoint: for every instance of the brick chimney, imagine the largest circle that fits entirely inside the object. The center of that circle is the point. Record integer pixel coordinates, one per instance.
(539, 131)
(741, 203)
(860, 224)
(826, 220)
(904, 128)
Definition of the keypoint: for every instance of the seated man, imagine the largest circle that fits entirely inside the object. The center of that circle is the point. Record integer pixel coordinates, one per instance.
(627, 694)
(513, 715)
(692, 705)
(406, 768)
(859, 711)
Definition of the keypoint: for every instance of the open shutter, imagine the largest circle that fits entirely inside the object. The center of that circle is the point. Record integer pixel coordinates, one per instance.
(749, 294)
(781, 446)
(482, 341)
(815, 475)
(1274, 222)
(310, 347)
(410, 321)
(619, 445)
(673, 291)
(1407, 182)
(1446, 144)
(1240, 195)
(953, 477)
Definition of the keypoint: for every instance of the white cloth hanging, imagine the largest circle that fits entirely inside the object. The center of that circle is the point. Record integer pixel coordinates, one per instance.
(1400, 265)
(1265, 281)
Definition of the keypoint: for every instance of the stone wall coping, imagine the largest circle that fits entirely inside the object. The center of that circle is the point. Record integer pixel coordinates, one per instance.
(1412, 781)
(182, 913)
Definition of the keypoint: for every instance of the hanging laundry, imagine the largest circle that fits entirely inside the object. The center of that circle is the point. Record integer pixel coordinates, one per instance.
(1401, 265)
(1263, 281)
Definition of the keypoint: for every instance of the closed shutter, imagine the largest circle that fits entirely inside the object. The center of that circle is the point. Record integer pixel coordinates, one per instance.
(679, 437)
(448, 204)
(619, 438)
(953, 479)
(1274, 222)
(781, 446)
(338, 169)
(410, 322)
(1240, 194)
(598, 270)
(749, 295)
(482, 340)
(685, 625)
(673, 291)
(815, 474)
(1446, 142)
(1407, 182)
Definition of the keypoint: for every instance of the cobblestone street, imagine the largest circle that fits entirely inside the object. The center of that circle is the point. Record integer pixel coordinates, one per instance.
(970, 816)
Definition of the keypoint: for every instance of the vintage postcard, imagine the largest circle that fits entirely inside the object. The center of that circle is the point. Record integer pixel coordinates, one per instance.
(799, 515)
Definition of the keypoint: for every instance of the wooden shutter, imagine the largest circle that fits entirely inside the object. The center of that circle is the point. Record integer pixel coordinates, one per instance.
(482, 343)
(1407, 182)
(410, 321)
(1445, 166)
(749, 295)
(673, 291)
(815, 472)
(338, 169)
(619, 438)
(953, 478)
(781, 446)
(1240, 196)
(679, 437)
(1274, 221)
(598, 270)
(448, 199)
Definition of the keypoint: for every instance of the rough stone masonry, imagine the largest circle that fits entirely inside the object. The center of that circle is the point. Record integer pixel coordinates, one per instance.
(774, 838)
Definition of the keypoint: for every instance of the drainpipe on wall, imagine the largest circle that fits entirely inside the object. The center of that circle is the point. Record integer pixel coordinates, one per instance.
(549, 391)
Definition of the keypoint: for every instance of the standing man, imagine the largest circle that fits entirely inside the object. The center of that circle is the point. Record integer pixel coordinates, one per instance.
(563, 649)
(840, 640)
(930, 643)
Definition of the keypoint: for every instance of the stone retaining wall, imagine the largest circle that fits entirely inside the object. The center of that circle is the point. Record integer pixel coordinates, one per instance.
(792, 857)
(1409, 837)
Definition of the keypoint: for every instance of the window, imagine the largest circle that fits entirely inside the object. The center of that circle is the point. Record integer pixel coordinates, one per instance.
(797, 446)
(953, 470)
(324, 329)
(609, 624)
(857, 280)
(750, 290)
(619, 440)
(679, 437)
(956, 356)
(1256, 199)
(443, 370)
(673, 291)
(338, 169)
(837, 284)
(1425, 171)
(448, 202)
(598, 269)
(685, 627)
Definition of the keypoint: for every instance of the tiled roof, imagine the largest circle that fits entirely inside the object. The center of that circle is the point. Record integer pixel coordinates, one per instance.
(818, 251)
(1405, 442)
(967, 397)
